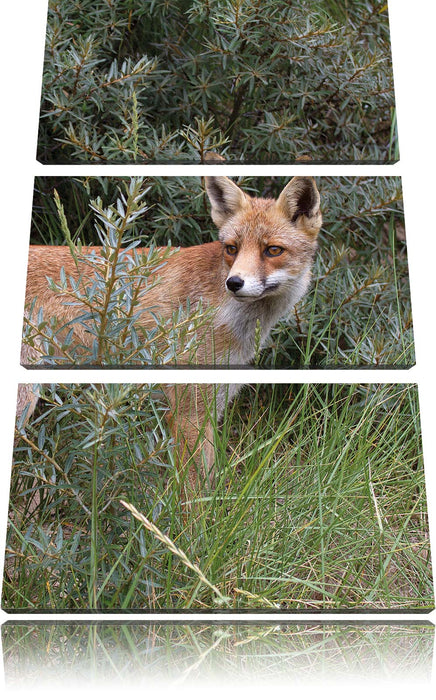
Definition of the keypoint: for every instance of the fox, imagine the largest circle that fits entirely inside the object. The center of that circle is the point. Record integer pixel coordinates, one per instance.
(252, 276)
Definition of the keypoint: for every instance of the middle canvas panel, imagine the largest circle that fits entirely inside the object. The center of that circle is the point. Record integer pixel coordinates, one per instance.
(218, 272)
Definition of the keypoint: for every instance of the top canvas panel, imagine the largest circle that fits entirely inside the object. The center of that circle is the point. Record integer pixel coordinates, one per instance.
(234, 81)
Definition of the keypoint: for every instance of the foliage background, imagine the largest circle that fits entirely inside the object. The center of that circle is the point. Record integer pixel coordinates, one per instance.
(358, 311)
(254, 81)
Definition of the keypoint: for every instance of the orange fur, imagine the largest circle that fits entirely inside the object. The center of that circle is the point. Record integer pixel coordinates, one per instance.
(252, 276)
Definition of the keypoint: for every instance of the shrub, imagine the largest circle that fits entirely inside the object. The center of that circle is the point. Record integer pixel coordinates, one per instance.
(249, 80)
(110, 304)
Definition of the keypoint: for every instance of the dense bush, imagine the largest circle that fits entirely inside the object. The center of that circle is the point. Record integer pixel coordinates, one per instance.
(110, 307)
(358, 311)
(252, 80)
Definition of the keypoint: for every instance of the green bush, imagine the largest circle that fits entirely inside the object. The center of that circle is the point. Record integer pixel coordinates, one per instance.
(251, 80)
(110, 306)
(319, 503)
(357, 312)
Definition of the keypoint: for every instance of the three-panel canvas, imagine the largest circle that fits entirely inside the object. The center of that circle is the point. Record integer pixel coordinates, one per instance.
(249, 486)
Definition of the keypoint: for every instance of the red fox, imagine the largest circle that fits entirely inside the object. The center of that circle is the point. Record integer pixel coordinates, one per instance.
(251, 277)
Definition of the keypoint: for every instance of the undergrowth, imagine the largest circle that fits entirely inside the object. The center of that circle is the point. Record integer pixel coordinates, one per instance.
(319, 503)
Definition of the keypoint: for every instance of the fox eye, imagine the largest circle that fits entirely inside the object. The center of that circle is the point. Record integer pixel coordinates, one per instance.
(231, 249)
(273, 251)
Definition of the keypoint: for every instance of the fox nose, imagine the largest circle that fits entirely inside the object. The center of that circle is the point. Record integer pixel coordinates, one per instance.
(234, 284)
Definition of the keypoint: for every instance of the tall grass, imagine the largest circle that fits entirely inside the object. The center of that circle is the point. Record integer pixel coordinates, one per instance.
(319, 503)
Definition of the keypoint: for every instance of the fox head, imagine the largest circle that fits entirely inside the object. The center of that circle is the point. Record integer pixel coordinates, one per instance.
(268, 245)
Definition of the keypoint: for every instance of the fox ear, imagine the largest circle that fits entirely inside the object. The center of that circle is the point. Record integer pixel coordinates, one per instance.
(225, 197)
(300, 198)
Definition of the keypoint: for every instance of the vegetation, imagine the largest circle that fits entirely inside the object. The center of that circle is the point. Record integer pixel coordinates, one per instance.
(194, 80)
(109, 308)
(357, 312)
(319, 503)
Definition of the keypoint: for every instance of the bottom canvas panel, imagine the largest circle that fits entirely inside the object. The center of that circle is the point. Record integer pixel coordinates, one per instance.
(147, 654)
(276, 498)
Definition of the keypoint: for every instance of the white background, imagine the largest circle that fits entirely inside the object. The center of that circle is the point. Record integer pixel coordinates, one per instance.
(413, 45)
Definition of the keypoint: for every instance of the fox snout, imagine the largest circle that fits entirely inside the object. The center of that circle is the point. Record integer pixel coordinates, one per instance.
(251, 287)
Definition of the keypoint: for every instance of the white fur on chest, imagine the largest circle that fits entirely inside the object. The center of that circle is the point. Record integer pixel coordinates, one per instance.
(241, 318)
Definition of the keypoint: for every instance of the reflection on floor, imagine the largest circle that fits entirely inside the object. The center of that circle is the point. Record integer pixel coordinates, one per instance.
(81, 652)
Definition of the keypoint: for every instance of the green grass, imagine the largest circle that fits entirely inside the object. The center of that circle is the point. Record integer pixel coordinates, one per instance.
(319, 504)
(357, 312)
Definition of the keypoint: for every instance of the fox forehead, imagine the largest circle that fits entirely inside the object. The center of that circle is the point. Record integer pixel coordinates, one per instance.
(255, 220)
(262, 223)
